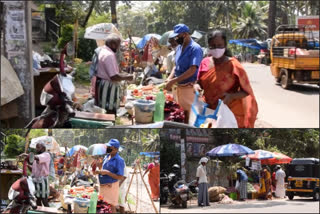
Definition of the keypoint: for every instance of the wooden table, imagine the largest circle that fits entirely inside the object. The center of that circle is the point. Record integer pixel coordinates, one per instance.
(44, 210)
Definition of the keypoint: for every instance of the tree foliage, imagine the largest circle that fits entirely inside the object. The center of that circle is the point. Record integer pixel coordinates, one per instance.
(295, 143)
(15, 145)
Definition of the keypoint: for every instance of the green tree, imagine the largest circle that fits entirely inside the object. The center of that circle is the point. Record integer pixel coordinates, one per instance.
(34, 133)
(15, 146)
(251, 23)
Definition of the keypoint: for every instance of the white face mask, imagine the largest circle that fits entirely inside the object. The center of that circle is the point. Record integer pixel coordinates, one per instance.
(217, 52)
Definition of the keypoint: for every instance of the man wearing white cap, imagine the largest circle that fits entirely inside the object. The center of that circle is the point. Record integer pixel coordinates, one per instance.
(280, 188)
(202, 180)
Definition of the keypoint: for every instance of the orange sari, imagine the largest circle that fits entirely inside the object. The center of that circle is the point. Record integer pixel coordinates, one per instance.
(154, 180)
(229, 77)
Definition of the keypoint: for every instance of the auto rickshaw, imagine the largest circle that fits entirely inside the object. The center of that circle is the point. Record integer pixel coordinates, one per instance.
(303, 178)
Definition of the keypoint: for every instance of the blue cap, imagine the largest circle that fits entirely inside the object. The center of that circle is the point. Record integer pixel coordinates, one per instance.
(179, 28)
(113, 142)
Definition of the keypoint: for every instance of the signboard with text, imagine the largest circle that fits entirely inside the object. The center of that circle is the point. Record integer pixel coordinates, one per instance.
(311, 23)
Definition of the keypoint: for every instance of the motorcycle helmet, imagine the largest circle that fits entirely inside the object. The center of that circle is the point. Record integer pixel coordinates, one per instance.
(176, 167)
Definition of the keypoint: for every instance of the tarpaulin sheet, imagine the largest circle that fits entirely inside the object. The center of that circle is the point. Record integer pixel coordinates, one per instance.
(250, 43)
(11, 87)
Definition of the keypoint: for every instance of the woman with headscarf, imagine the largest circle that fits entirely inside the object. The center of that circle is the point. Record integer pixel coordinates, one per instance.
(265, 184)
(223, 77)
(202, 180)
(154, 179)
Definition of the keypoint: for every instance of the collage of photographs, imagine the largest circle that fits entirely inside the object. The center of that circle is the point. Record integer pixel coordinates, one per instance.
(159, 106)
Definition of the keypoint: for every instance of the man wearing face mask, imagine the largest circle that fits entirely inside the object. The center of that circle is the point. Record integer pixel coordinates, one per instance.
(39, 173)
(107, 90)
(111, 174)
(187, 60)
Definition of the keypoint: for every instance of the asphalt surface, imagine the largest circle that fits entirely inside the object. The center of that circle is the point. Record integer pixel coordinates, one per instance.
(297, 107)
(139, 194)
(298, 205)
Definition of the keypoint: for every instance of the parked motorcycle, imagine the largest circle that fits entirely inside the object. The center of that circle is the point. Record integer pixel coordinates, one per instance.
(57, 96)
(193, 187)
(178, 189)
(179, 195)
(164, 190)
(22, 192)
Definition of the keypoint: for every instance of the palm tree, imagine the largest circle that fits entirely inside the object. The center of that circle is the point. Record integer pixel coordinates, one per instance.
(251, 23)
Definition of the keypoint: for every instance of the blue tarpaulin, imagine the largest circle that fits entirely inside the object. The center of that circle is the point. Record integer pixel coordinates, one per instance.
(150, 154)
(146, 38)
(250, 43)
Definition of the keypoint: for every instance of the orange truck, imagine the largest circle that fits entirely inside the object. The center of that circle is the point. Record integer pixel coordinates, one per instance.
(294, 56)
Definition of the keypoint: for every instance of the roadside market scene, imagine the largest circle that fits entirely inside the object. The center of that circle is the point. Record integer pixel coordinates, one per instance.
(106, 64)
(239, 171)
(80, 171)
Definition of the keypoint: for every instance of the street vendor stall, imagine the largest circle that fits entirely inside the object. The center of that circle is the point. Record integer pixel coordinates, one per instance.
(233, 151)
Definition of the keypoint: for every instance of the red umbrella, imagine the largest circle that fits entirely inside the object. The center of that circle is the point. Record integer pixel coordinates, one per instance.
(260, 155)
(279, 158)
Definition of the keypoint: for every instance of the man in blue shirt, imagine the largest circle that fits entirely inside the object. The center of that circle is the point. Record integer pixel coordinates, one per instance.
(243, 179)
(187, 61)
(111, 173)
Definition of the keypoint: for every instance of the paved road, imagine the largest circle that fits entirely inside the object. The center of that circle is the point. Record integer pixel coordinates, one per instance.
(144, 202)
(280, 108)
(299, 205)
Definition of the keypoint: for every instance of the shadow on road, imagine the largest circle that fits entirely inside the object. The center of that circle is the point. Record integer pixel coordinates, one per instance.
(307, 200)
(303, 89)
(260, 204)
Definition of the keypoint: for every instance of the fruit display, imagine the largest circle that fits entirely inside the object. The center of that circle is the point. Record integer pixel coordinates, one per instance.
(150, 97)
(103, 207)
(174, 111)
(250, 188)
(81, 190)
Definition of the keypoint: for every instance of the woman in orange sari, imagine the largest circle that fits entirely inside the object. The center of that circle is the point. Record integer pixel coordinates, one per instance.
(154, 179)
(223, 77)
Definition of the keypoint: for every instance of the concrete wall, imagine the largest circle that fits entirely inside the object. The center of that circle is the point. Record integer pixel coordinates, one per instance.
(217, 175)
(18, 50)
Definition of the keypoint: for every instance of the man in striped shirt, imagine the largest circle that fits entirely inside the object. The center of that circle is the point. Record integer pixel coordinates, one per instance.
(107, 90)
(39, 173)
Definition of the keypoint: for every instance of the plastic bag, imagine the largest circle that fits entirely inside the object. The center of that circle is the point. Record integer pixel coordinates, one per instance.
(237, 185)
(226, 118)
(200, 112)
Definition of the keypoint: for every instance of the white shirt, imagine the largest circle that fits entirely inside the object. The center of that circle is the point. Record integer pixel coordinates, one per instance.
(170, 61)
(280, 175)
(202, 174)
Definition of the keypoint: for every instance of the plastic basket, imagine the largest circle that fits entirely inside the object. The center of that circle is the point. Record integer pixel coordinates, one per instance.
(143, 111)
(81, 205)
(145, 105)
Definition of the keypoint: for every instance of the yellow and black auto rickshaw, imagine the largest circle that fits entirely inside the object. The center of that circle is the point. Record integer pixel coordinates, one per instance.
(303, 178)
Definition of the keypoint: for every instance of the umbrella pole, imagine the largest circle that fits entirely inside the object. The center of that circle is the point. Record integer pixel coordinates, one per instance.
(27, 141)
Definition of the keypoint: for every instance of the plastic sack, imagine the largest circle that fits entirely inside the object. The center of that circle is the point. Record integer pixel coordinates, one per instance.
(67, 85)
